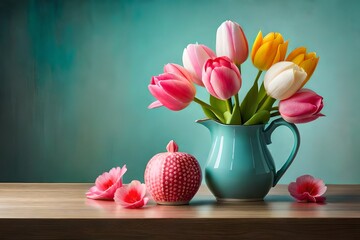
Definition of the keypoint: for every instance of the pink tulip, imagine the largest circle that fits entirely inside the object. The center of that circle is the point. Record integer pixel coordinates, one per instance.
(304, 106)
(177, 70)
(194, 58)
(132, 195)
(106, 184)
(172, 91)
(308, 189)
(231, 42)
(221, 77)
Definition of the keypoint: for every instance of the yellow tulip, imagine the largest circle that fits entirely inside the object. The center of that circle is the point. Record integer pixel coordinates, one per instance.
(307, 61)
(268, 50)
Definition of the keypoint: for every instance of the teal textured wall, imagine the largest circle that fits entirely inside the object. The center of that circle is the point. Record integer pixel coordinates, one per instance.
(74, 76)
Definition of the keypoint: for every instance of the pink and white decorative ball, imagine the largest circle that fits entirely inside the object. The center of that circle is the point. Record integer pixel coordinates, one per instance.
(172, 177)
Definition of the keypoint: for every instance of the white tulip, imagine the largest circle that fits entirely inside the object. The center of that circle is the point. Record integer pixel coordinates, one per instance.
(283, 80)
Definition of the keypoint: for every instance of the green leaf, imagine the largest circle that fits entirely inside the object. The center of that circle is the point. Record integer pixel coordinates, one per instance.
(209, 114)
(249, 104)
(227, 116)
(262, 94)
(235, 117)
(267, 104)
(261, 117)
(218, 104)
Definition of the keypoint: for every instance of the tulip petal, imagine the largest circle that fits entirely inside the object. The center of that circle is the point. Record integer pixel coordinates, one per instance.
(184, 91)
(225, 82)
(309, 66)
(270, 37)
(256, 45)
(189, 66)
(294, 109)
(194, 58)
(297, 120)
(282, 86)
(241, 48)
(155, 104)
(264, 56)
(283, 48)
(166, 99)
(295, 53)
(223, 41)
(276, 69)
(298, 59)
(177, 70)
(310, 55)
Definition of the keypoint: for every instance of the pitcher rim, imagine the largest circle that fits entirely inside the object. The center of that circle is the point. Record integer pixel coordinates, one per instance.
(229, 125)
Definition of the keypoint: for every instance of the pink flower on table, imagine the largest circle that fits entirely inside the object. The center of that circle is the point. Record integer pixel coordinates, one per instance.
(106, 184)
(194, 58)
(308, 189)
(172, 91)
(132, 195)
(231, 42)
(302, 107)
(177, 70)
(221, 78)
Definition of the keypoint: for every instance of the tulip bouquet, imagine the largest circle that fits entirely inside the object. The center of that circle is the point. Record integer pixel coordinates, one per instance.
(220, 75)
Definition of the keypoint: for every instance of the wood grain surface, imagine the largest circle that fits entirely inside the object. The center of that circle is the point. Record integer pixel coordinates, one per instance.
(61, 211)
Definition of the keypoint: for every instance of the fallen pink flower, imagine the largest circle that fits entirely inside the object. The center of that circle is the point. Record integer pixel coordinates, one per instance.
(308, 189)
(132, 195)
(106, 184)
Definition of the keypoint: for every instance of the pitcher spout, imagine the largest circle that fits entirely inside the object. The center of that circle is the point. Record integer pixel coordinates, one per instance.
(208, 123)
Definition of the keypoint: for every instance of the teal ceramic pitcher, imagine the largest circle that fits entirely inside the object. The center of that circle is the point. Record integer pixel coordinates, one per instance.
(239, 166)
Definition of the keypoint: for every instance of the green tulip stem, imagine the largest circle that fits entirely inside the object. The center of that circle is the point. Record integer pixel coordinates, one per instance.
(211, 108)
(239, 68)
(237, 105)
(229, 105)
(275, 114)
(258, 76)
(274, 109)
(237, 102)
(267, 103)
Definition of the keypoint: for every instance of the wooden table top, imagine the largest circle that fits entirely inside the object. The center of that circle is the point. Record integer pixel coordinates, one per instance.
(49, 208)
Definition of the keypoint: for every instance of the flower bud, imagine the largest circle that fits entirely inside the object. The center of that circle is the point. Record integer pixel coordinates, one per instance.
(231, 42)
(283, 79)
(268, 50)
(194, 58)
(221, 78)
(307, 61)
(172, 91)
(304, 106)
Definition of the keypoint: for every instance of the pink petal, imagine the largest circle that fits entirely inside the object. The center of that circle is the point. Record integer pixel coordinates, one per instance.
(177, 70)
(304, 106)
(132, 195)
(225, 82)
(167, 100)
(196, 55)
(307, 189)
(299, 120)
(293, 109)
(182, 91)
(155, 104)
(106, 184)
(320, 199)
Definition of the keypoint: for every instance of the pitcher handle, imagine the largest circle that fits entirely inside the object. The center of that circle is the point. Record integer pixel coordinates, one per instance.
(267, 134)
